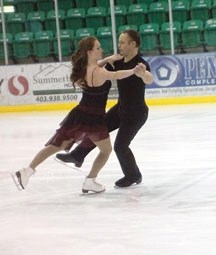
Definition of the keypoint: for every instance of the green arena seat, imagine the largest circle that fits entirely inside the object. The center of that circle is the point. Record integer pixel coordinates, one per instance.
(67, 43)
(181, 10)
(65, 4)
(192, 35)
(22, 45)
(75, 18)
(200, 9)
(149, 38)
(164, 36)
(104, 35)
(210, 34)
(50, 20)
(120, 15)
(42, 45)
(45, 5)
(35, 21)
(84, 4)
(95, 17)
(15, 23)
(158, 13)
(103, 3)
(26, 6)
(137, 14)
(81, 33)
(125, 2)
(9, 39)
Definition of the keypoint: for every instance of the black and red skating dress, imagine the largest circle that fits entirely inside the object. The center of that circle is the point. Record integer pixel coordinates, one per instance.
(87, 119)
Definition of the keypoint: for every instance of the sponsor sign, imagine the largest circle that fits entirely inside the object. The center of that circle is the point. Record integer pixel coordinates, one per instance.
(37, 84)
(174, 76)
(183, 75)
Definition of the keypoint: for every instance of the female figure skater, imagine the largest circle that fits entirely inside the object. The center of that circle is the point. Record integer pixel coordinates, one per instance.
(87, 119)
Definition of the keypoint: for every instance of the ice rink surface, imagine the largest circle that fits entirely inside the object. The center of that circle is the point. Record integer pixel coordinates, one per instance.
(173, 212)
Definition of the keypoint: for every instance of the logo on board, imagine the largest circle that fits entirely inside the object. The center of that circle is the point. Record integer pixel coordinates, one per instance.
(18, 85)
(166, 70)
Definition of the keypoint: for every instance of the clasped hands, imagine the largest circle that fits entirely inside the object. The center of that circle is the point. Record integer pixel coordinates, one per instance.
(140, 70)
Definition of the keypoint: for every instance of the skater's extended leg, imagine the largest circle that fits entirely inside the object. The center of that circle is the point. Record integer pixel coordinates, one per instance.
(22, 176)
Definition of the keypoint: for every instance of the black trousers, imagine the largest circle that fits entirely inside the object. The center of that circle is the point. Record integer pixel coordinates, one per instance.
(128, 121)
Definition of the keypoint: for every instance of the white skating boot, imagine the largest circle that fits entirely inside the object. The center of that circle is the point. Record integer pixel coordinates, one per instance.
(91, 185)
(22, 176)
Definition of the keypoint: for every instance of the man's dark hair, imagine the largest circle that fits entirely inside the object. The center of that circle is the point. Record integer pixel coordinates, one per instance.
(134, 35)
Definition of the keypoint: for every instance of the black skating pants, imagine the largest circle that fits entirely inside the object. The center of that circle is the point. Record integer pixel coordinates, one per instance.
(128, 122)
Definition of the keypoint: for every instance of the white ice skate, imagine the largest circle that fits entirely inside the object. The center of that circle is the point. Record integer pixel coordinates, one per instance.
(91, 185)
(22, 176)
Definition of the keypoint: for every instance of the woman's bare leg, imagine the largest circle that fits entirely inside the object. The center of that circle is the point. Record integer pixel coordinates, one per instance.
(105, 148)
(21, 177)
(46, 152)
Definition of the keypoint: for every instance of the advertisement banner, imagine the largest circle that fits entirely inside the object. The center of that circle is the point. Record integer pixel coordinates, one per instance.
(38, 84)
(183, 75)
(47, 83)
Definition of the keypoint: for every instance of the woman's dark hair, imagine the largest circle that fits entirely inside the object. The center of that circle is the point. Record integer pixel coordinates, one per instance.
(134, 36)
(80, 61)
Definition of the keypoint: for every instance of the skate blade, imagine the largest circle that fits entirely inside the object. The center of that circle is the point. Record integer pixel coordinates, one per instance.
(70, 165)
(91, 192)
(16, 181)
(132, 186)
